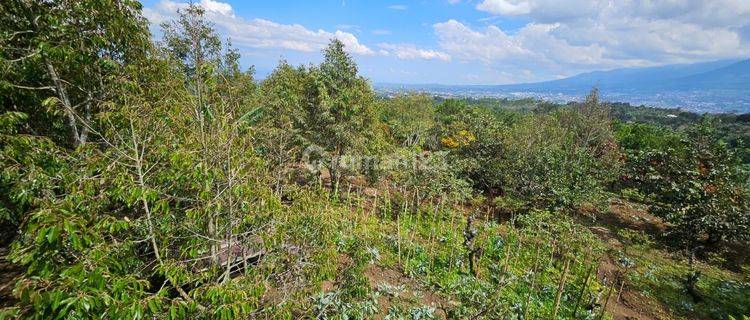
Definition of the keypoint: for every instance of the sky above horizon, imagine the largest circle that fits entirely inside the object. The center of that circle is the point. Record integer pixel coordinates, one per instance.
(477, 41)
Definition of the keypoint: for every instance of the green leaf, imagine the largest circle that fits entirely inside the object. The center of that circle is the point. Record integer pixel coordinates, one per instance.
(53, 234)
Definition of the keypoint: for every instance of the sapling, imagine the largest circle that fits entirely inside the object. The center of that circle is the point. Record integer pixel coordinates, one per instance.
(470, 234)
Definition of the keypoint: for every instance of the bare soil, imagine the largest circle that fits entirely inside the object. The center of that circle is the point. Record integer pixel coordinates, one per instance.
(413, 292)
(623, 215)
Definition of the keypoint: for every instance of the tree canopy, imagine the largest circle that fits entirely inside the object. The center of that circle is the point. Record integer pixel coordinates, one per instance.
(144, 179)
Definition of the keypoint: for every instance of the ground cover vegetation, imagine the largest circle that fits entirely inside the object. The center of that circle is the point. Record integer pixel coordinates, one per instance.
(145, 179)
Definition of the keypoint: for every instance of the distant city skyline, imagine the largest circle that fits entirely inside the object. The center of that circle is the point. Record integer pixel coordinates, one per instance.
(481, 41)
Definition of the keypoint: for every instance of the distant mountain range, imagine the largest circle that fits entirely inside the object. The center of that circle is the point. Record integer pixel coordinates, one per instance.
(712, 87)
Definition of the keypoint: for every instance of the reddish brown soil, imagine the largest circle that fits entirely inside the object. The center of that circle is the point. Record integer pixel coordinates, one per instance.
(631, 304)
(413, 291)
(623, 214)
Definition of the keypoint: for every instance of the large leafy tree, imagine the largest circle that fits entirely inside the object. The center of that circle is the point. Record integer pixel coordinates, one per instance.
(697, 185)
(560, 160)
(339, 109)
(220, 108)
(282, 120)
(60, 60)
(164, 196)
(210, 68)
(409, 118)
(474, 137)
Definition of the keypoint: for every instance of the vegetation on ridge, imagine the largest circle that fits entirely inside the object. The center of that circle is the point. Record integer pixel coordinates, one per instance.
(160, 180)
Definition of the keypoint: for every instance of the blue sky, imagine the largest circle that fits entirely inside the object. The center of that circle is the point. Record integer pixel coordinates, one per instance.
(478, 41)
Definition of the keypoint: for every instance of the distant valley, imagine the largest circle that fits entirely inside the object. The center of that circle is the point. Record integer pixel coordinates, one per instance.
(708, 87)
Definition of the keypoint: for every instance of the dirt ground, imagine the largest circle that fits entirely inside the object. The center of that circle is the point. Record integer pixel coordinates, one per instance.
(412, 291)
(623, 215)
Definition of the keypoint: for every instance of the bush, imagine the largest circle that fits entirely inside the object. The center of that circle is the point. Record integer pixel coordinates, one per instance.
(697, 185)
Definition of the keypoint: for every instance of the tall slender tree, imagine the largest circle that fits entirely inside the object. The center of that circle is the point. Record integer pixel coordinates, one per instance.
(339, 113)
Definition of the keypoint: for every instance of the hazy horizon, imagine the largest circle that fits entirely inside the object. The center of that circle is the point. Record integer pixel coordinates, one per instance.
(456, 42)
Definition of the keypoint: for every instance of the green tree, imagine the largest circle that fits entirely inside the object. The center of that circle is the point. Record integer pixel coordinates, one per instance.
(61, 60)
(697, 185)
(633, 137)
(339, 109)
(169, 194)
(543, 168)
(589, 125)
(283, 118)
(409, 118)
(473, 135)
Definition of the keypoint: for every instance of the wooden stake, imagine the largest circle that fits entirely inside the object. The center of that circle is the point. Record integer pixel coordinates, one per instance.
(609, 294)
(583, 288)
(622, 284)
(561, 288)
(533, 283)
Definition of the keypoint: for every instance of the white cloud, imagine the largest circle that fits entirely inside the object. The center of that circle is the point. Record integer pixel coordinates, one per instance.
(349, 27)
(260, 33)
(218, 7)
(589, 34)
(411, 52)
(398, 7)
(381, 32)
(488, 45)
(505, 7)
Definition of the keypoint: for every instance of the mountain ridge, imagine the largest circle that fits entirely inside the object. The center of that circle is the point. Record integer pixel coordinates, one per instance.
(721, 86)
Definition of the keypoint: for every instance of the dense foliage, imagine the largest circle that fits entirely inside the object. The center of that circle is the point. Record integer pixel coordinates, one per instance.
(150, 180)
(696, 181)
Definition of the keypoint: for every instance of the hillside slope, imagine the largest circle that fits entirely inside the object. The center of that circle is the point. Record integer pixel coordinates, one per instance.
(642, 79)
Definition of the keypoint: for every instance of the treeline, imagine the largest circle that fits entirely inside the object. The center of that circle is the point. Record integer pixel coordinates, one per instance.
(147, 179)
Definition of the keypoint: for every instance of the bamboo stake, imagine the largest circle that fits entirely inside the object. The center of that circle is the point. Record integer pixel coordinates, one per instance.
(552, 253)
(533, 283)
(521, 238)
(349, 197)
(398, 236)
(583, 288)
(506, 257)
(561, 288)
(453, 228)
(622, 285)
(609, 294)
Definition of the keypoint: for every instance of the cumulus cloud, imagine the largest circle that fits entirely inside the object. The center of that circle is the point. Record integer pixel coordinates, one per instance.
(411, 52)
(466, 43)
(218, 7)
(260, 33)
(505, 7)
(604, 33)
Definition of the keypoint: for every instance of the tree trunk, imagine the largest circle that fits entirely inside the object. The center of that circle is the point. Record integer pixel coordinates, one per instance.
(62, 94)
